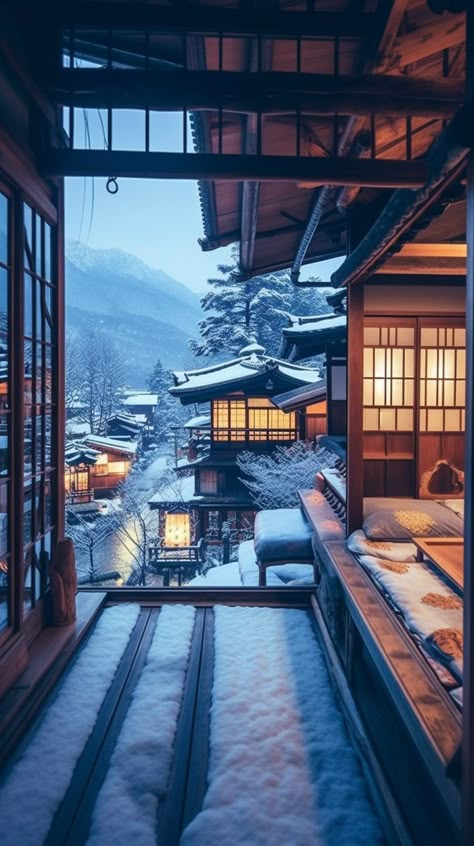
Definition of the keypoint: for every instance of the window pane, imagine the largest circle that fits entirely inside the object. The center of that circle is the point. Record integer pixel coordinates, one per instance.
(4, 463)
(4, 395)
(3, 229)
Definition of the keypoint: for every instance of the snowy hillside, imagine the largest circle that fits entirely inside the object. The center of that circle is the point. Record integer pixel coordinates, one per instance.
(143, 311)
(109, 280)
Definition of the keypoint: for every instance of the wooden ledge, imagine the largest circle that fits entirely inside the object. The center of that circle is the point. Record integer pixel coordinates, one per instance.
(426, 708)
(48, 655)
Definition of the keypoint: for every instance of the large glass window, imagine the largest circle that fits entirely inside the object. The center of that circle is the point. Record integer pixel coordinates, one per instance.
(39, 352)
(5, 469)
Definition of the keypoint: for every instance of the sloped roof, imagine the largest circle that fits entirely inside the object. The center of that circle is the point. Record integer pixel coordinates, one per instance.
(246, 374)
(301, 397)
(308, 336)
(77, 452)
(141, 399)
(103, 444)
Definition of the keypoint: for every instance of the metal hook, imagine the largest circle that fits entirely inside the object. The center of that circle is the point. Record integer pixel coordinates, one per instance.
(112, 185)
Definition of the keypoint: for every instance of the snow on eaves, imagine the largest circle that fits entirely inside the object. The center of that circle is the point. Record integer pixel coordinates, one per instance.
(240, 370)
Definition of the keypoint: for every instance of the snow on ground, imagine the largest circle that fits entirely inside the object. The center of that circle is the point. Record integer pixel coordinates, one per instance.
(35, 784)
(139, 770)
(227, 574)
(282, 769)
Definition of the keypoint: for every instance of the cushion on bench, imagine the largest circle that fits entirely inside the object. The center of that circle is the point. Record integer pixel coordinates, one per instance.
(283, 535)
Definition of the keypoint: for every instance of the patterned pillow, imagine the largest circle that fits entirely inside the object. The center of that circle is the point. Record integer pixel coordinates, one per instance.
(411, 519)
(359, 544)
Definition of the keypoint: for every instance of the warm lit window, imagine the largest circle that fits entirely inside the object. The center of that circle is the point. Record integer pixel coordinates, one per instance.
(118, 468)
(442, 379)
(389, 378)
(101, 467)
(254, 419)
(177, 530)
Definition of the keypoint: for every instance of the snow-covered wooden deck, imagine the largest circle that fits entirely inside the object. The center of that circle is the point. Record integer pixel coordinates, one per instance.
(192, 725)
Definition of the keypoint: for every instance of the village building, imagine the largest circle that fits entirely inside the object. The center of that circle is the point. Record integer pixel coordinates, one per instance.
(243, 417)
(318, 131)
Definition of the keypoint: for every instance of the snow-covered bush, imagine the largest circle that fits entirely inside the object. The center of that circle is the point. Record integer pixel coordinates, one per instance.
(274, 480)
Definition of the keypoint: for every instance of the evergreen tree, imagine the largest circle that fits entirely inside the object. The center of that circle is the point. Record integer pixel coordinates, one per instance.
(244, 310)
(169, 411)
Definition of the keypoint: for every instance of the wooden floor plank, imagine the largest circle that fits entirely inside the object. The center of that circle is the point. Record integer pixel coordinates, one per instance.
(170, 811)
(199, 758)
(72, 821)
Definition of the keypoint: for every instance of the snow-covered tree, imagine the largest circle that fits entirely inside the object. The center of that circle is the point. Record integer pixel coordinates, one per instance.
(169, 411)
(88, 536)
(244, 310)
(94, 377)
(274, 480)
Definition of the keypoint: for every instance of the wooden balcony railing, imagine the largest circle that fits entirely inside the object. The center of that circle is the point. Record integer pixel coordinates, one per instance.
(239, 435)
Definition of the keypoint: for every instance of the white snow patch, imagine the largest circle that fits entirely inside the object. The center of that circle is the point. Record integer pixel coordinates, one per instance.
(139, 769)
(282, 769)
(35, 786)
(227, 574)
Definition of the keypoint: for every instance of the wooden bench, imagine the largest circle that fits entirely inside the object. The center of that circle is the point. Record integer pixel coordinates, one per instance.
(179, 561)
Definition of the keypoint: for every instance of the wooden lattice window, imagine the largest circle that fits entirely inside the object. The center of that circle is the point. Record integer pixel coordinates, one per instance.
(389, 378)
(442, 379)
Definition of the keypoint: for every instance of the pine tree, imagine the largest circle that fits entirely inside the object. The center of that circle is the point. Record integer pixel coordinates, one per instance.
(245, 310)
(169, 411)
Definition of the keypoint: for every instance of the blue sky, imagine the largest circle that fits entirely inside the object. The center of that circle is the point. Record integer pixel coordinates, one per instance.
(157, 220)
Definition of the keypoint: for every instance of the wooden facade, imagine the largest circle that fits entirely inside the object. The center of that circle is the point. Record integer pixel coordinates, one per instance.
(319, 131)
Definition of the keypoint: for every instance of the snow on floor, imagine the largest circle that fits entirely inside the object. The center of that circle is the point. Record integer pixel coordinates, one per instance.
(227, 574)
(36, 783)
(140, 766)
(282, 769)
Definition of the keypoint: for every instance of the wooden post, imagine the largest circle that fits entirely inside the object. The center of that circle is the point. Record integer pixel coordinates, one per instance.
(63, 584)
(355, 460)
(468, 704)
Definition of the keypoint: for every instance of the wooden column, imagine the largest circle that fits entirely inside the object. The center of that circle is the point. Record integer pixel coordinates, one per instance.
(355, 460)
(468, 705)
(60, 356)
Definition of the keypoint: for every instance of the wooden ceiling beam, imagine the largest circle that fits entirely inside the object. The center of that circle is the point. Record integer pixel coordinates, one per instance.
(265, 92)
(440, 34)
(376, 173)
(202, 20)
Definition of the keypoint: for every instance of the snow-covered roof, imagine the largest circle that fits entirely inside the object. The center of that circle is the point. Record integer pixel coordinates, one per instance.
(248, 373)
(77, 427)
(301, 397)
(122, 445)
(202, 421)
(141, 399)
(307, 336)
(77, 452)
(182, 490)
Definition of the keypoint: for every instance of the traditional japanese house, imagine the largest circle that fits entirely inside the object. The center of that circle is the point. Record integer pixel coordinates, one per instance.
(243, 417)
(143, 404)
(334, 129)
(115, 456)
(79, 461)
(132, 426)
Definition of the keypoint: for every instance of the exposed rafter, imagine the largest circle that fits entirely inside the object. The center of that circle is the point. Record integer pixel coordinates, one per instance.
(388, 23)
(379, 173)
(265, 92)
(445, 162)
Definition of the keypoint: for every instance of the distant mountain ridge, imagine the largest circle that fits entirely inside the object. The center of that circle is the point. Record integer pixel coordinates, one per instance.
(145, 312)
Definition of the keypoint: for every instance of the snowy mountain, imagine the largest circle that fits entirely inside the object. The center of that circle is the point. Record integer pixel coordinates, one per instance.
(143, 310)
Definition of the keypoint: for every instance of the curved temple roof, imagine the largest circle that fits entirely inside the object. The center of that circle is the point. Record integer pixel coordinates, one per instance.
(250, 373)
(308, 336)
